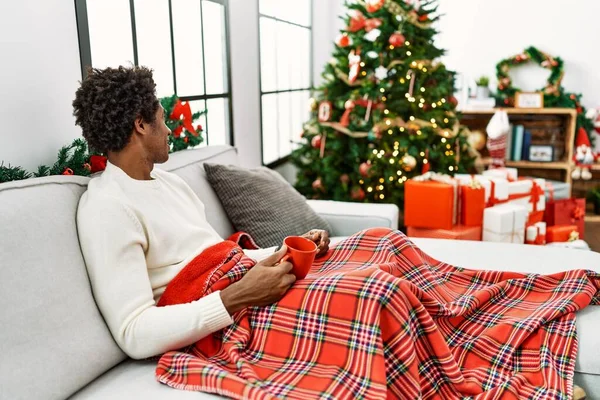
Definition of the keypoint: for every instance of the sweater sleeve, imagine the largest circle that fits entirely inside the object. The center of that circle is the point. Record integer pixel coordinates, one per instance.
(113, 244)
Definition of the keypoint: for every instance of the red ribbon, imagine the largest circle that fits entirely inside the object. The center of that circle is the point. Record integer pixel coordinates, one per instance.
(183, 110)
(550, 188)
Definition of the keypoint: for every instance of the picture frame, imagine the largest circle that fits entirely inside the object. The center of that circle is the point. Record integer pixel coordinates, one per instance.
(529, 100)
(541, 153)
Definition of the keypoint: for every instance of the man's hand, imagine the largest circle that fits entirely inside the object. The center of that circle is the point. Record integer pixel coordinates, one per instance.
(321, 239)
(263, 285)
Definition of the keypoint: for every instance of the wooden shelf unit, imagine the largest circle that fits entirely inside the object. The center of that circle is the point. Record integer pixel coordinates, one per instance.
(557, 170)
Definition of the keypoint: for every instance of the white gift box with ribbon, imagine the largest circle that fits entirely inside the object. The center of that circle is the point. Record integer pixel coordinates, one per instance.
(520, 193)
(505, 223)
(511, 174)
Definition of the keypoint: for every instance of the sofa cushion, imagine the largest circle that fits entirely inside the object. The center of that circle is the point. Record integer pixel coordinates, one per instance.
(53, 339)
(135, 380)
(188, 165)
(259, 202)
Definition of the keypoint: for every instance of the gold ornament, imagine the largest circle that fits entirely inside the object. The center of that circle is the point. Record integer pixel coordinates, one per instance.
(408, 162)
(313, 104)
(476, 140)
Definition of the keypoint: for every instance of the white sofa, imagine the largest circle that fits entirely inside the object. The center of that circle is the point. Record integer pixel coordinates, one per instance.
(54, 343)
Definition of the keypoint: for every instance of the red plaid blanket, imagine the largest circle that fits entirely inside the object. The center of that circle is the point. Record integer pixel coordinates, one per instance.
(378, 319)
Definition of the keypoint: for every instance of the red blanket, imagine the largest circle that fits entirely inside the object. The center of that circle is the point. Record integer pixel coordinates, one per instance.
(378, 319)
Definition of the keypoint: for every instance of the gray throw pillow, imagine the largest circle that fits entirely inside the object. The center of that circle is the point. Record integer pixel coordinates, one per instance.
(260, 202)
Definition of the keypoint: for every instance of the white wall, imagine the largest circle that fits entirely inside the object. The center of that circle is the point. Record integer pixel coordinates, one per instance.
(478, 34)
(39, 74)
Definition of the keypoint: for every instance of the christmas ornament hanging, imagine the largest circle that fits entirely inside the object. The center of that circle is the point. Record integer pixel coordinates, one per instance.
(316, 142)
(408, 162)
(312, 104)
(477, 140)
(317, 184)
(325, 111)
(397, 39)
(357, 194)
(363, 169)
(343, 40)
(354, 64)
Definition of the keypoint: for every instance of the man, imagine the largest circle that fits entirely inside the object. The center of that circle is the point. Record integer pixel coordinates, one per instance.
(139, 226)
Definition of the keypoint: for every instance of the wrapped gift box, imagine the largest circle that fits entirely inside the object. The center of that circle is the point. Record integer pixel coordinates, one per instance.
(555, 190)
(505, 223)
(536, 234)
(472, 204)
(566, 212)
(430, 204)
(510, 174)
(458, 232)
(496, 189)
(529, 193)
(561, 233)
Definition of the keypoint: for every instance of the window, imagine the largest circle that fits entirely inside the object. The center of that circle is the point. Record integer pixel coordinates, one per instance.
(185, 42)
(285, 74)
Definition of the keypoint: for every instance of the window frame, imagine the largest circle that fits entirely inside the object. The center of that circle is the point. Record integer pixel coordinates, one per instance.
(310, 88)
(85, 55)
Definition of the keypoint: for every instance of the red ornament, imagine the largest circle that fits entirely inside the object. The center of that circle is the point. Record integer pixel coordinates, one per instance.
(199, 128)
(572, 97)
(345, 120)
(426, 164)
(98, 163)
(453, 100)
(579, 110)
(423, 18)
(357, 194)
(397, 39)
(345, 179)
(506, 101)
(68, 171)
(372, 23)
(343, 40)
(317, 184)
(374, 5)
(185, 139)
(363, 169)
(357, 21)
(316, 142)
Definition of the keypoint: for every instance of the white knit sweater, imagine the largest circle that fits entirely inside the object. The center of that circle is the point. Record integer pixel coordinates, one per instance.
(136, 236)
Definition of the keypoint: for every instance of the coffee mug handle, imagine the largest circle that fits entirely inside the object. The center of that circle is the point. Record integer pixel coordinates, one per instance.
(284, 259)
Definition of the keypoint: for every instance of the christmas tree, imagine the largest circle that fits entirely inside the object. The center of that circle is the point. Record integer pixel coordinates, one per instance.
(386, 111)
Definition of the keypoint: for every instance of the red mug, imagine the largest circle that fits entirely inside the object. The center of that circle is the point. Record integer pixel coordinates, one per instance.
(301, 253)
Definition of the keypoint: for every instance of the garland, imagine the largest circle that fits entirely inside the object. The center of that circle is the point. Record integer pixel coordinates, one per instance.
(554, 94)
(77, 159)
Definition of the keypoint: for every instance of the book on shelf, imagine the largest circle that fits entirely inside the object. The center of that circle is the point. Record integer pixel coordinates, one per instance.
(517, 142)
(509, 141)
(526, 146)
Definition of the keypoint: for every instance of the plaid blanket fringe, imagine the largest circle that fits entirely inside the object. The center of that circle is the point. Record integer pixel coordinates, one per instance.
(378, 319)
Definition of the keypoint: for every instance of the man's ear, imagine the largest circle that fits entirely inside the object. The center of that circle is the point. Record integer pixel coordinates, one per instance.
(140, 126)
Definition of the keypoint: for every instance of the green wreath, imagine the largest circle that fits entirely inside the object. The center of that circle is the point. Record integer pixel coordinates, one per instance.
(554, 94)
(553, 89)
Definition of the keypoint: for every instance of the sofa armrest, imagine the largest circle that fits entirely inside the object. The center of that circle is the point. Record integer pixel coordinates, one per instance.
(348, 218)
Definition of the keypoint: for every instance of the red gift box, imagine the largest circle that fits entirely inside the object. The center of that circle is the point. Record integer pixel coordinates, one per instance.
(561, 233)
(429, 204)
(566, 212)
(472, 204)
(458, 232)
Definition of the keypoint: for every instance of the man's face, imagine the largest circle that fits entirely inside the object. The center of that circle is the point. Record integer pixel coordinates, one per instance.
(158, 141)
